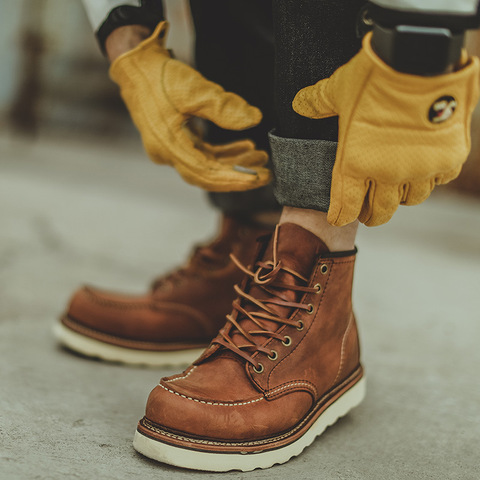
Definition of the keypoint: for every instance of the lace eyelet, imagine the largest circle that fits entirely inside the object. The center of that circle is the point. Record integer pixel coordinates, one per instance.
(300, 326)
(318, 287)
(310, 309)
(324, 269)
(273, 356)
(287, 341)
(260, 368)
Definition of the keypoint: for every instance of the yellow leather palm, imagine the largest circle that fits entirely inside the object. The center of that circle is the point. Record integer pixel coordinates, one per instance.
(399, 134)
(162, 94)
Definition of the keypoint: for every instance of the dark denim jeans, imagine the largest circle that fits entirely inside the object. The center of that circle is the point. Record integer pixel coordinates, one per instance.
(266, 51)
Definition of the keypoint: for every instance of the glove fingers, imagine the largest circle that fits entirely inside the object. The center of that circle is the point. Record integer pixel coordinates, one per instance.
(381, 203)
(418, 192)
(215, 177)
(238, 181)
(193, 94)
(229, 111)
(201, 168)
(241, 153)
(346, 199)
(254, 158)
(229, 149)
(314, 101)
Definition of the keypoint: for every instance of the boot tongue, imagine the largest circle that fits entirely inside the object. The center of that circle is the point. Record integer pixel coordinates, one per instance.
(297, 250)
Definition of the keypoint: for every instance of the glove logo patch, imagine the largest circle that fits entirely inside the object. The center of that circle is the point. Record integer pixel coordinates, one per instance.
(442, 109)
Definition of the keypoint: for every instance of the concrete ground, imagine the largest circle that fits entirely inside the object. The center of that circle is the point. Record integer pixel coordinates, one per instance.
(74, 212)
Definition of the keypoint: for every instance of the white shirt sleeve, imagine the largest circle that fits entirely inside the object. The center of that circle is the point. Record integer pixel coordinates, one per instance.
(98, 10)
(453, 7)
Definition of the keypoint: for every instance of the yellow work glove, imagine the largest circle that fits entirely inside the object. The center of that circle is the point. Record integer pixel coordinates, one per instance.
(399, 134)
(162, 94)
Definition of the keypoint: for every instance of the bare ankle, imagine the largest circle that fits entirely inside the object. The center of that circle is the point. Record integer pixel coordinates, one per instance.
(337, 239)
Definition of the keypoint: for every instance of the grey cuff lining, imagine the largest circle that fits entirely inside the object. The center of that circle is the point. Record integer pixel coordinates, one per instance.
(303, 171)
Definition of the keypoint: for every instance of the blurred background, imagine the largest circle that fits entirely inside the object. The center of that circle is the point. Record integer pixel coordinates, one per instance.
(80, 202)
(53, 76)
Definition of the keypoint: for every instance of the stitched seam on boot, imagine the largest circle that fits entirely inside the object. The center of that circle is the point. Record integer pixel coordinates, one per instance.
(182, 377)
(342, 354)
(237, 404)
(343, 263)
(150, 426)
(293, 384)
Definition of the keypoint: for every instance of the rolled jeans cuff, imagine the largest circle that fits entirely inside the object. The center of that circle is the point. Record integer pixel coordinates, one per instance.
(303, 171)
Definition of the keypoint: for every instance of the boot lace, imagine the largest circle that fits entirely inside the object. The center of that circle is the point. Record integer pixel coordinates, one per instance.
(244, 340)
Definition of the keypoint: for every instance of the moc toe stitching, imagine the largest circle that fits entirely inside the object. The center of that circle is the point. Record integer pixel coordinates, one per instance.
(226, 421)
(212, 402)
(142, 322)
(180, 376)
(122, 305)
(274, 438)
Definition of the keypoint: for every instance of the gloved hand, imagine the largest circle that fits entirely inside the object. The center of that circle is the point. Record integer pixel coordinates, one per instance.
(162, 94)
(399, 134)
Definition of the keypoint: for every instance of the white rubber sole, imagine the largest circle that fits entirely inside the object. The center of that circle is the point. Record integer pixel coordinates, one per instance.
(112, 353)
(223, 462)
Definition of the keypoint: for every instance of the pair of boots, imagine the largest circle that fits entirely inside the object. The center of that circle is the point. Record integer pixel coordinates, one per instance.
(284, 366)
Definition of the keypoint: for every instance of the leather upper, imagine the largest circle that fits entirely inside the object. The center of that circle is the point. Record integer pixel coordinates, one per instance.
(222, 397)
(187, 305)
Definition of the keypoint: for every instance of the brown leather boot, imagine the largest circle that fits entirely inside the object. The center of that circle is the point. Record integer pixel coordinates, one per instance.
(284, 367)
(175, 321)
